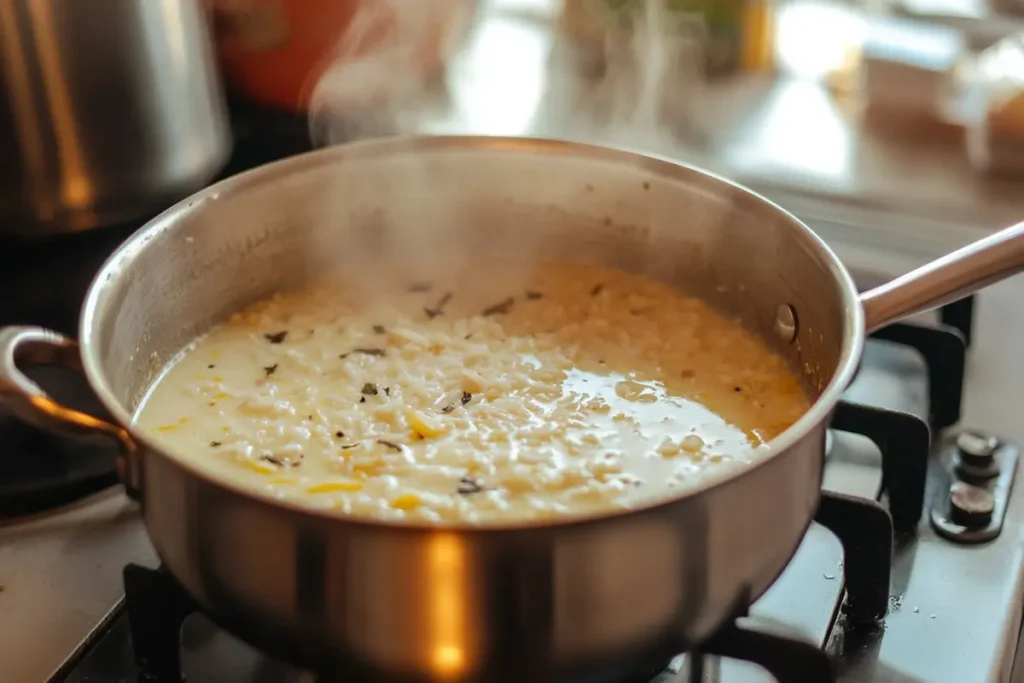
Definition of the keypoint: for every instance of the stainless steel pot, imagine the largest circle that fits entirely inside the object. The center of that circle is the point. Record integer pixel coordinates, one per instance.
(109, 111)
(601, 597)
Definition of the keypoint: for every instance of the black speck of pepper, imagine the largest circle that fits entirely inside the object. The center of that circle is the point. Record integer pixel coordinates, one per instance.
(466, 397)
(215, 444)
(597, 290)
(379, 329)
(369, 389)
(469, 485)
(390, 444)
(362, 399)
(533, 296)
(499, 308)
(211, 366)
(340, 434)
(387, 391)
(269, 370)
(309, 417)
(647, 185)
(737, 389)
(346, 446)
(468, 336)
(448, 408)
(276, 337)
(420, 287)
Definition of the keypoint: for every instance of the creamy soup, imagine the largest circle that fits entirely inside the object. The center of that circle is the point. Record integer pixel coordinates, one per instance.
(479, 396)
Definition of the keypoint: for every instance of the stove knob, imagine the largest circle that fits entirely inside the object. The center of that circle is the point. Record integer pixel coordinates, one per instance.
(970, 506)
(977, 452)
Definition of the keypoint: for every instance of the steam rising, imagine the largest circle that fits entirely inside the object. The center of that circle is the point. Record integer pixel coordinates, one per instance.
(376, 85)
(375, 81)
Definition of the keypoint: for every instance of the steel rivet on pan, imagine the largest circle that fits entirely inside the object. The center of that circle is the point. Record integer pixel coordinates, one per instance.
(785, 323)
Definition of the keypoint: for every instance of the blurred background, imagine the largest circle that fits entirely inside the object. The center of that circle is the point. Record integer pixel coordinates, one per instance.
(892, 126)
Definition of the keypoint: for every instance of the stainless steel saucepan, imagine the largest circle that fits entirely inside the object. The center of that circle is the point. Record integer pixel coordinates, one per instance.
(609, 595)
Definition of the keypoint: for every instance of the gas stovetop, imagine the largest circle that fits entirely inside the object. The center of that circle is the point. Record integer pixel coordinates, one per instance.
(912, 570)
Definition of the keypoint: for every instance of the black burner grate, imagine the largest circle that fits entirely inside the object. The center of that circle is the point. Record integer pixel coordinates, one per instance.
(157, 606)
(904, 442)
(944, 350)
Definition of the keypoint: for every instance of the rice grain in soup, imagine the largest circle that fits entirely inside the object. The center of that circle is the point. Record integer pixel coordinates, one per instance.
(481, 395)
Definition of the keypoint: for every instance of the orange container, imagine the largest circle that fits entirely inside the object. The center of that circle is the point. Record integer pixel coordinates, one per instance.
(273, 51)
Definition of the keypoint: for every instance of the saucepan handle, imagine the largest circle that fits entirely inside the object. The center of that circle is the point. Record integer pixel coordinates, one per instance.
(27, 401)
(947, 279)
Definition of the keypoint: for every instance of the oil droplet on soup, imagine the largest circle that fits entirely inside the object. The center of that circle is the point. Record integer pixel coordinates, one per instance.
(485, 394)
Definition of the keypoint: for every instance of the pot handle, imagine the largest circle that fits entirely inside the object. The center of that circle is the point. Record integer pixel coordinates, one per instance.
(27, 401)
(947, 279)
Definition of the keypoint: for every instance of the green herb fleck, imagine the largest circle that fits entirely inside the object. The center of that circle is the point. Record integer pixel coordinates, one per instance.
(438, 308)
(281, 462)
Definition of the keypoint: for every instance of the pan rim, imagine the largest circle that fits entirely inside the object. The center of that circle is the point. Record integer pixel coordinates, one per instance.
(819, 411)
